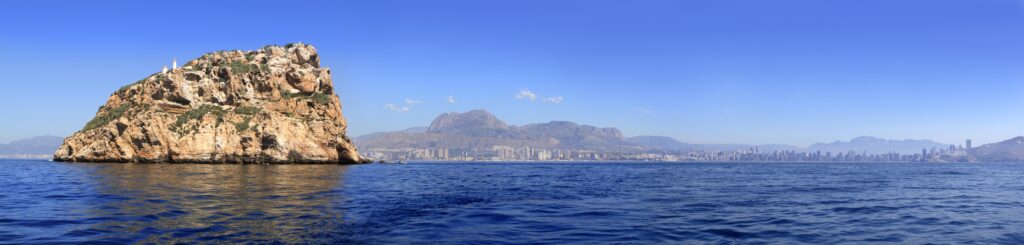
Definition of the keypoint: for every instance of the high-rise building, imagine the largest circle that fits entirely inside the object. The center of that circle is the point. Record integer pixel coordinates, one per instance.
(442, 154)
(967, 146)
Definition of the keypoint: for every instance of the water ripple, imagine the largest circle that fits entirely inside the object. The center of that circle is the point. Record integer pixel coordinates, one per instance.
(512, 203)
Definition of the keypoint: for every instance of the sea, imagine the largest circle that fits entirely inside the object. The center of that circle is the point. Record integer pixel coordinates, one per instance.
(44, 202)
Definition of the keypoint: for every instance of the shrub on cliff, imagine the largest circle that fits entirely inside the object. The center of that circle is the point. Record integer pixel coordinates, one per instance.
(197, 114)
(238, 67)
(317, 97)
(105, 118)
(247, 110)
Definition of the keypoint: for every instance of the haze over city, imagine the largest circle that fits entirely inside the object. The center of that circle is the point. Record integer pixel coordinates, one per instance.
(748, 72)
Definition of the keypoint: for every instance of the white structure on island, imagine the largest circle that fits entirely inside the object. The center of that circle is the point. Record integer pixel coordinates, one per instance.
(174, 66)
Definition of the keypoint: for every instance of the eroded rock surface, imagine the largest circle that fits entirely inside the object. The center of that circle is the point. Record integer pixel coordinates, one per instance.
(272, 105)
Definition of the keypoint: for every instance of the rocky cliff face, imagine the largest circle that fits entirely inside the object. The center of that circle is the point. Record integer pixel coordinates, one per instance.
(273, 105)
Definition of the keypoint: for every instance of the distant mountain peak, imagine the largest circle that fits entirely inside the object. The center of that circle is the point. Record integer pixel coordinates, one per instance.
(480, 129)
(867, 139)
(561, 123)
(475, 122)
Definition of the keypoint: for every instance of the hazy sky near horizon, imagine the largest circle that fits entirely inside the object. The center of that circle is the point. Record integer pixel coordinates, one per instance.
(702, 71)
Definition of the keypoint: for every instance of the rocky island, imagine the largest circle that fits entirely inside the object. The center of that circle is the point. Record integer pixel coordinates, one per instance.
(272, 105)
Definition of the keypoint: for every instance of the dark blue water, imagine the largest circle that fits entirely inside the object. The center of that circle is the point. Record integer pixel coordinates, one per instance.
(494, 203)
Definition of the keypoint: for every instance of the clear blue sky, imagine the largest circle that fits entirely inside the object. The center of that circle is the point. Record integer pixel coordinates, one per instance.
(703, 71)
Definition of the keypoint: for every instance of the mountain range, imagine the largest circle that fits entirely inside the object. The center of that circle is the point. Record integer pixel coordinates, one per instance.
(39, 145)
(480, 129)
(666, 143)
(874, 145)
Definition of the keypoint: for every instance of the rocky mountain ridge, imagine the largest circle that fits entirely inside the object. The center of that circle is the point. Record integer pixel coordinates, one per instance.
(479, 129)
(271, 105)
(1011, 150)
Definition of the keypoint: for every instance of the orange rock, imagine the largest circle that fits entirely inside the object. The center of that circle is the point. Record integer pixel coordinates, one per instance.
(273, 105)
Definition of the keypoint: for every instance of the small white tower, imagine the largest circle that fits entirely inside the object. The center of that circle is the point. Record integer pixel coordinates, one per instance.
(164, 71)
(174, 63)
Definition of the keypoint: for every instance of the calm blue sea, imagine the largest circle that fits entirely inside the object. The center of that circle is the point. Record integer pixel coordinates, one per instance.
(512, 203)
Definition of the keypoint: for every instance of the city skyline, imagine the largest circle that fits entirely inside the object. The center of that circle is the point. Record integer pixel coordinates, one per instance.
(785, 72)
(508, 153)
(961, 142)
(480, 136)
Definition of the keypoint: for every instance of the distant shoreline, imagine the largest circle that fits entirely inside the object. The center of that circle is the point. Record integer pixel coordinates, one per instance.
(49, 157)
(641, 161)
(26, 156)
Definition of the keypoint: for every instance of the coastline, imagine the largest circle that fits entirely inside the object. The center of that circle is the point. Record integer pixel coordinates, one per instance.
(27, 156)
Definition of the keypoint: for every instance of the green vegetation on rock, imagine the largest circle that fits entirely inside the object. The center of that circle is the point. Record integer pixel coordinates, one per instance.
(126, 87)
(317, 97)
(289, 95)
(321, 98)
(243, 125)
(247, 110)
(239, 67)
(140, 81)
(197, 114)
(105, 118)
